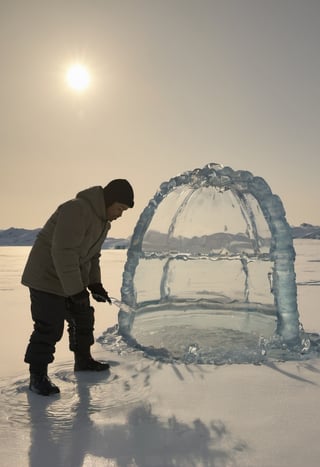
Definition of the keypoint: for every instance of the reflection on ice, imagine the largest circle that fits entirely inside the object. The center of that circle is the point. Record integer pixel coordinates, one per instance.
(100, 419)
(210, 268)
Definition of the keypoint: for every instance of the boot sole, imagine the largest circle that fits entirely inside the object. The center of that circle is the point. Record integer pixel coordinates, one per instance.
(44, 393)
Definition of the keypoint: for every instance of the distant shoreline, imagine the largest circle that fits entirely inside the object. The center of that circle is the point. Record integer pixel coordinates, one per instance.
(24, 237)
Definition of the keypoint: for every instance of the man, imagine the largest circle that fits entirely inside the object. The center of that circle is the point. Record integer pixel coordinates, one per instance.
(62, 265)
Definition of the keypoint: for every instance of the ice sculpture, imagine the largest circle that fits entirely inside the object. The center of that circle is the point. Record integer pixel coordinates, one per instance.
(210, 274)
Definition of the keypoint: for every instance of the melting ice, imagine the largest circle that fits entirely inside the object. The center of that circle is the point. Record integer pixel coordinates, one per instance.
(209, 276)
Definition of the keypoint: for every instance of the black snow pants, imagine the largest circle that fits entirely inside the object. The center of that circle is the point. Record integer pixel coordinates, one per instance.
(49, 312)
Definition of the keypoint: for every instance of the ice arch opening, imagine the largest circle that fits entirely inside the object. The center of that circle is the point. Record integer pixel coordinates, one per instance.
(210, 274)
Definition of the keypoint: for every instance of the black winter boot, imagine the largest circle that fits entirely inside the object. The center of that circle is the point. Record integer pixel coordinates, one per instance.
(87, 363)
(41, 384)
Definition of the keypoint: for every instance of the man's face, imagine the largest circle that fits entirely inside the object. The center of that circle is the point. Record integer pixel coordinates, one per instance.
(115, 210)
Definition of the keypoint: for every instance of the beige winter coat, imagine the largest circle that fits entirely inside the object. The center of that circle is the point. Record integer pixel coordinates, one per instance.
(65, 256)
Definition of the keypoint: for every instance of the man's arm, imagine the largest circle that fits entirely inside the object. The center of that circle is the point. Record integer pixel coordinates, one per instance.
(95, 272)
(66, 246)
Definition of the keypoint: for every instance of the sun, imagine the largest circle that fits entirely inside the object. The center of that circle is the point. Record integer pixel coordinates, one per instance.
(78, 77)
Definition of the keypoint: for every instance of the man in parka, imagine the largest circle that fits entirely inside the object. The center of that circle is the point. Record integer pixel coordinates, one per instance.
(64, 263)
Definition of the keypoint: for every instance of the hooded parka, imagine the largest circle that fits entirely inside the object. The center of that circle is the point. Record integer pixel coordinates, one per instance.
(65, 256)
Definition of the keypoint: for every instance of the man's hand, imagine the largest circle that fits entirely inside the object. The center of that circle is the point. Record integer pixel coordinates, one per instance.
(99, 293)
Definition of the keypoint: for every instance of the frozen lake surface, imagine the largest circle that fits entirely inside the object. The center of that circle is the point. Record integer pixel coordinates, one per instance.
(146, 413)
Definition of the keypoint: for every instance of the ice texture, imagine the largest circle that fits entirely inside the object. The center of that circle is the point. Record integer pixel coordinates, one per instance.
(211, 251)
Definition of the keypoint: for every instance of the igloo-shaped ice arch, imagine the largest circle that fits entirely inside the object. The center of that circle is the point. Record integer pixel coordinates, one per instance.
(214, 239)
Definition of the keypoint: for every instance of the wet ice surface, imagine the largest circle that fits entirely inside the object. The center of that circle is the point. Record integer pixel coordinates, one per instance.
(151, 414)
(106, 419)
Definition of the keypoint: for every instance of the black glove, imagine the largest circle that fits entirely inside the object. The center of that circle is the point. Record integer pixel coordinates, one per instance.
(99, 293)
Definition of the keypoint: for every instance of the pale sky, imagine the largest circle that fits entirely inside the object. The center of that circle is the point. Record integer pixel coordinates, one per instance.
(175, 84)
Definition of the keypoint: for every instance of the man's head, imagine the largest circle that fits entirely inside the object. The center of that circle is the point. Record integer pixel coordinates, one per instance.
(118, 196)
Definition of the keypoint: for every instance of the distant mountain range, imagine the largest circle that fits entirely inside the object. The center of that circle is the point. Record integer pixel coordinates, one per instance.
(306, 231)
(24, 237)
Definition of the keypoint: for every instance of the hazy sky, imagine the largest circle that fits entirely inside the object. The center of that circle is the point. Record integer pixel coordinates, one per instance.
(175, 84)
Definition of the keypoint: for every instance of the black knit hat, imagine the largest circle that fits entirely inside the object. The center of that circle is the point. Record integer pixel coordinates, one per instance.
(118, 190)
